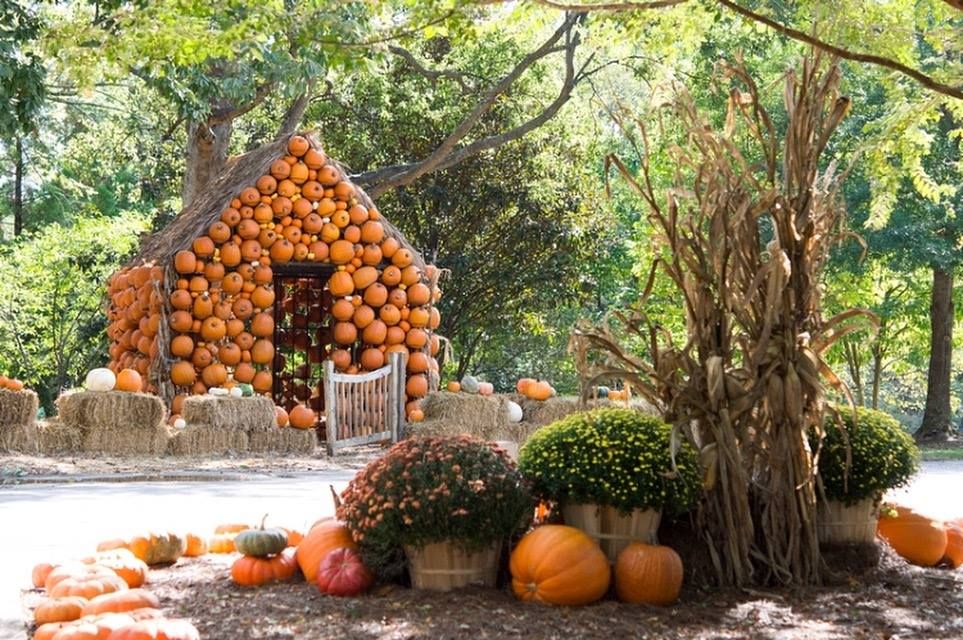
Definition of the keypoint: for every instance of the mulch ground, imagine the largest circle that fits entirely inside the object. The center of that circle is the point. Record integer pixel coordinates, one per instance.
(893, 601)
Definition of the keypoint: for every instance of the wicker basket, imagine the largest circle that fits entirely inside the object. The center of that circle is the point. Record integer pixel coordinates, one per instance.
(837, 523)
(444, 566)
(613, 531)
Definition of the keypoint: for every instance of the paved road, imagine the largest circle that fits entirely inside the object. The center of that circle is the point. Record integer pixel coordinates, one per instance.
(59, 522)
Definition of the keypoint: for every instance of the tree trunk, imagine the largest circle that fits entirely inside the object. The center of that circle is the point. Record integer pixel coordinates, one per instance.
(206, 156)
(854, 363)
(937, 418)
(18, 189)
(878, 355)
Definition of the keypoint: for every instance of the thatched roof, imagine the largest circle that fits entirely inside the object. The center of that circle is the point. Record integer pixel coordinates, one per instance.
(242, 171)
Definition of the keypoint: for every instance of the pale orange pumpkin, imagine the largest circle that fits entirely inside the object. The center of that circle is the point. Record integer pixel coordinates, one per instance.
(129, 380)
(323, 537)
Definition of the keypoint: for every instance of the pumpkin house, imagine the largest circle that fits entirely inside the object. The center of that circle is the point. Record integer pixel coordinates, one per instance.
(280, 265)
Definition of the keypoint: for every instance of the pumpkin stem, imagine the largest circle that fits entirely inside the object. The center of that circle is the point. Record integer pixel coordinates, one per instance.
(335, 496)
(263, 521)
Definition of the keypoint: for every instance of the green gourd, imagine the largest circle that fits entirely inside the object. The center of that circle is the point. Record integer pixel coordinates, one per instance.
(261, 542)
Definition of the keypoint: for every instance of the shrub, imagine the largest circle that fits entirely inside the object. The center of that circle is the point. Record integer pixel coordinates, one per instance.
(610, 456)
(434, 489)
(883, 456)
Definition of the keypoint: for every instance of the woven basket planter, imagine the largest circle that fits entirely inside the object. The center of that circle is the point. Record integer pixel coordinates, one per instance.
(444, 566)
(837, 523)
(613, 530)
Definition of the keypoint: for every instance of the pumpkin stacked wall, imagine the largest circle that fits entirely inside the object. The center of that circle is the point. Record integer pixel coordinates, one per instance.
(197, 310)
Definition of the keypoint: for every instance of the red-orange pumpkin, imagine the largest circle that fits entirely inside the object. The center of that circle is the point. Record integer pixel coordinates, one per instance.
(160, 629)
(954, 543)
(301, 417)
(323, 537)
(342, 573)
(250, 571)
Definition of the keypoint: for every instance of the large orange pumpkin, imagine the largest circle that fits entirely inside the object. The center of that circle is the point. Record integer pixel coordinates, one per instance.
(917, 538)
(323, 537)
(556, 564)
(648, 574)
(59, 609)
(251, 571)
(301, 417)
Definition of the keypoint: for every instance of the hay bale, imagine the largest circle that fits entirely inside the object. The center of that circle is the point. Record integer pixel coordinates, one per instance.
(240, 414)
(283, 441)
(457, 413)
(56, 437)
(548, 411)
(202, 439)
(18, 407)
(116, 422)
(18, 421)
(110, 410)
(517, 432)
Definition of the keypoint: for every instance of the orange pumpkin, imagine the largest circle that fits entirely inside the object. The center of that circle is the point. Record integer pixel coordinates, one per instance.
(159, 629)
(196, 545)
(301, 417)
(183, 373)
(323, 537)
(540, 390)
(222, 543)
(128, 567)
(39, 574)
(954, 543)
(556, 564)
(121, 602)
(648, 574)
(129, 380)
(917, 538)
(251, 571)
(341, 284)
(59, 609)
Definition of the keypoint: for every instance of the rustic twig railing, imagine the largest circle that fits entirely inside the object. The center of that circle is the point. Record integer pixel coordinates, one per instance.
(364, 408)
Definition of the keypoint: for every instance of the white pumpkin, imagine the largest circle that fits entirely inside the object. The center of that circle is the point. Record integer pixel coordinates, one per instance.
(237, 392)
(218, 391)
(514, 411)
(180, 423)
(100, 380)
(469, 384)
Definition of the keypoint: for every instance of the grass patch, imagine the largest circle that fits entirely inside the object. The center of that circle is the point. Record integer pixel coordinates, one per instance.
(937, 454)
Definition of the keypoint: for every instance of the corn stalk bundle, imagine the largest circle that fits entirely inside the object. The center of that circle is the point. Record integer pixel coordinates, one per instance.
(744, 245)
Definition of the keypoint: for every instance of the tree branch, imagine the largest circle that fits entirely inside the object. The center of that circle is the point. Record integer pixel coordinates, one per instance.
(956, 4)
(432, 74)
(222, 116)
(449, 154)
(292, 118)
(612, 6)
(920, 77)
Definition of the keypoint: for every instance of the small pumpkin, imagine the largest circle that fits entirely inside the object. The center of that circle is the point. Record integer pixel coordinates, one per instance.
(648, 574)
(196, 545)
(129, 380)
(59, 609)
(39, 574)
(540, 390)
(160, 629)
(556, 564)
(454, 386)
(251, 571)
(129, 568)
(121, 602)
(514, 411)
(323, 537)
(302, 417)
(152, 548)
(88, 587)
(261, 542)
(917, 538)
(342, 573)
(100, 380)
(469, 384)
(222, 543)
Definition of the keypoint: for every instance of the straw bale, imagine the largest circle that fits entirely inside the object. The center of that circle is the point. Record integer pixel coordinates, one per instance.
(548, 411)
(56, 437)
(202, 439)
(134, 440)
(18, 407)
(469, 413)
(110, 410)
(283, 441)
(19, 437)
(235, 414)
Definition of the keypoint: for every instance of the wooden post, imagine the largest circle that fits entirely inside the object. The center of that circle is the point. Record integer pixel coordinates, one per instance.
(392, 417)
(330, 407)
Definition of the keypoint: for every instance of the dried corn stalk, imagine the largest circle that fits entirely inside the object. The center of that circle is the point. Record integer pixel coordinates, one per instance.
(744, 245)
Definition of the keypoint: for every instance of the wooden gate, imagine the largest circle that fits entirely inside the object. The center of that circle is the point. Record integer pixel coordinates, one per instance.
(364, 408)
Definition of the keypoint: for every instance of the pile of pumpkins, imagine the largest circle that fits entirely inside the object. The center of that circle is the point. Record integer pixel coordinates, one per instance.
(922, 540)
(10, 384)
(102, 595)
(535, 389)
(221, 322)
